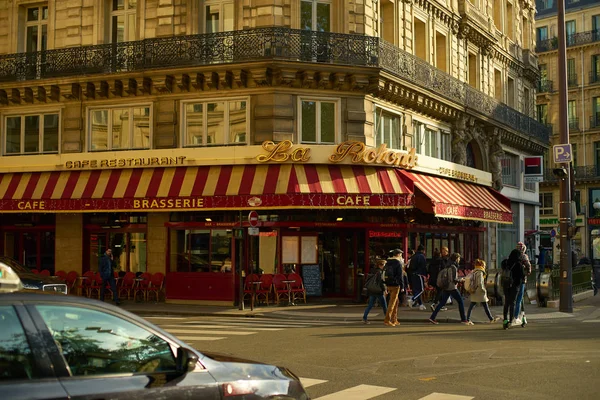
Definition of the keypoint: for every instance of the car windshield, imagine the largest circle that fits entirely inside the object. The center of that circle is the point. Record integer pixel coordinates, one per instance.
(18, 268)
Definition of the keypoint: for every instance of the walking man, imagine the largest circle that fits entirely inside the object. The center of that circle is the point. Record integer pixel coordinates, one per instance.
(418, 266)
(106, 272)
(519, 304)
(447, 281)
(394, 282)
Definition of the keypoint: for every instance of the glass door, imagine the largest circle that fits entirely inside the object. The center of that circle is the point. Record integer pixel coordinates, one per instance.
(128, 249)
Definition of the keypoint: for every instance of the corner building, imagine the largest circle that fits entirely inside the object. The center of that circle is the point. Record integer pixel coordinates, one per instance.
(351, 127)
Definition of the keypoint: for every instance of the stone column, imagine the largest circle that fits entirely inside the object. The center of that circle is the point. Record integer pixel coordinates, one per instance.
(156, 242)
(68, 253)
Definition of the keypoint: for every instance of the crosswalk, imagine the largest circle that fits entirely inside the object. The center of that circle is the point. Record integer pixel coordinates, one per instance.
(203, 329)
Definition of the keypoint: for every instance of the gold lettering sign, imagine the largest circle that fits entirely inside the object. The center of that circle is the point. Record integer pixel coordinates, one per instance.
(125, 162)
(353, 200)
(465, 176)
(31, 205)
(153, 204)
(281, 152)
(360, 153)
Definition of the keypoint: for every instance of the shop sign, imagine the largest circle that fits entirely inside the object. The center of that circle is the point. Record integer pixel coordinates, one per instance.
(270, 234)
(593, 221)
(252, 231)
(126, 162)
(452, 173)
(384, 234)
(355, 152)
(475, 213)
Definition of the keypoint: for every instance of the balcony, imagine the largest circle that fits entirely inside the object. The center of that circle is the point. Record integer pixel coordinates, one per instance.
(545, 86)
(590, 172)
(594, 77)
(573, 124)
(572, 80)
(595, 121)
(576, 39)
(260, 45)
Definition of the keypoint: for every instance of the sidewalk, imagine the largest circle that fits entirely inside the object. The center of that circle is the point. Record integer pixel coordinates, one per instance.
(339, 310)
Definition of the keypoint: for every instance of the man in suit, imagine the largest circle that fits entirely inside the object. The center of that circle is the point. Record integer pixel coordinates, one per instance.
(106, 272)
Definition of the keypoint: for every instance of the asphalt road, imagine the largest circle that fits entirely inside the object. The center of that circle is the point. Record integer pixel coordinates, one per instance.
(553, 358)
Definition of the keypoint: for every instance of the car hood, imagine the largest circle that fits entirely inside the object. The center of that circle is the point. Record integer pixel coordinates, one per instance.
(31, 279)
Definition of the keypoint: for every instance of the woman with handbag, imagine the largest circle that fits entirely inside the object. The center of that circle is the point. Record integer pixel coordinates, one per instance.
(375, 289)
(478, 292)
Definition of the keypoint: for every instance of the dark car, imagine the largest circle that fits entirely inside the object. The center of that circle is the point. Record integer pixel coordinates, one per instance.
(33, 281)
(66, 347)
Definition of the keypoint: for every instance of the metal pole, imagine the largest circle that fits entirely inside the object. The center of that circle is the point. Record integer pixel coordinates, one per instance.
(240, 268)
(566, 282)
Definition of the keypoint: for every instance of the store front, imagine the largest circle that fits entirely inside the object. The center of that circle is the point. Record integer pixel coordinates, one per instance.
(29, 239)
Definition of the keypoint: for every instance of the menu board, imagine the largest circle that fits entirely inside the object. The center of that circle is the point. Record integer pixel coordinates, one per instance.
(289, 249)
(308, 250)
(311, 277)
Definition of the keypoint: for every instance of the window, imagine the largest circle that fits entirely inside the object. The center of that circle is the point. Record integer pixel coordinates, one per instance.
(546, 4)
(543, 72)
(440, 51)
(420, 39)
(120, 128)
(577, 201)
(218, 16)
(472, 70)
(574, 154)
(31, 134)
(498, 85)
(215, 122)
(542, 34)
(572, 114)
(318, 121)
(546, 204)
(511, 93)
(386, 21)
(388, 129)
(97, 343)
(595, 27)
(595, 118)
(431, 142)
(200, 250)
(595, 72)
(525, 34)
(123, 15)
(36, 28)
(510, 170)
(510, 28)
(16, 358)
(498, 14)
(571, 74)
(597, 157)
(315, 15)
(570, 30)
(542, 113)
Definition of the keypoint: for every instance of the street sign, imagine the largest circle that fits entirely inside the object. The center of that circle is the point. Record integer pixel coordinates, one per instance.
(562, 153)
(531, 179)
(253, 231)
(253, 218)
(552, 233)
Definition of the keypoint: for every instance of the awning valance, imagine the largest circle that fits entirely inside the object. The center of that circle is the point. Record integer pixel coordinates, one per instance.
(461, 200)
(207, 187)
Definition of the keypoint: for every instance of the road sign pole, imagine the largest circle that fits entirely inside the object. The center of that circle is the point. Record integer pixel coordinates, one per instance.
(566, 283)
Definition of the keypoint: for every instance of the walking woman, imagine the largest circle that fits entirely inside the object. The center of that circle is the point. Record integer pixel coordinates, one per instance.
(376, 290)
(512, 279)
(478, 291)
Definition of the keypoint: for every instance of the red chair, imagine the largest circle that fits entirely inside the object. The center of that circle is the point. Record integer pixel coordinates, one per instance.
(280, 288)
(297, 287)
(71, 280)
(61, 275)
(127, 284)
(248, 286)
(45, 272)
(35, 271)
(94, 284)
(142, 285)
(264, 290)
(87, 283)
(156, 285)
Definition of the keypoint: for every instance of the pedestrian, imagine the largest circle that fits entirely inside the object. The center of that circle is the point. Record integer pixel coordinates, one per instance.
(447, 280)
(478, 292)
(106, 273)
(512, 280)
(375, 289)
(541, 259)
(418, 267)
(519, 317)
(394, 283)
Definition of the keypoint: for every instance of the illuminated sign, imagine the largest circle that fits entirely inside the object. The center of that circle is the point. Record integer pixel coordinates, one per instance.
(126, 162)
(378, 234)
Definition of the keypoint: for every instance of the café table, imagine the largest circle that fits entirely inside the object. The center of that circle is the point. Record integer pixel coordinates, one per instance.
(81, 280)
(255, 285)
(289, 288)
(136, 285)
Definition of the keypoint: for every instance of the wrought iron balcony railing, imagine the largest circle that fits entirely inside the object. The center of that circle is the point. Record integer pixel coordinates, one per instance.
(594, 77)
(581, 173)
(572, 80)
(545, 86)
(595, 121)
(576, 39)
(258, 45)
(574, 124)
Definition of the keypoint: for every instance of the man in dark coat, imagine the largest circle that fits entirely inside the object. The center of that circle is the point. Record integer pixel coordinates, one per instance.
(106, 273)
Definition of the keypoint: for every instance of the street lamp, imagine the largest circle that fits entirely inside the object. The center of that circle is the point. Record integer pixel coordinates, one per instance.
(596, 206)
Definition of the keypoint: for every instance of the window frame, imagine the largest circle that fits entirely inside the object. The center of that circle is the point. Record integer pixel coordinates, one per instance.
(544, 209)
(226, 121)
(378, 112)
(221, 4)
(39, 23)
(514, 165)
(126, 13)
(441, 133)
(58, 113)
(337, 119)
(314, 4)
(110, 109)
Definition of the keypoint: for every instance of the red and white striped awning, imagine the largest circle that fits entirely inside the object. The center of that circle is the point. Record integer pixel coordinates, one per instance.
(203, 188)
(461, 200)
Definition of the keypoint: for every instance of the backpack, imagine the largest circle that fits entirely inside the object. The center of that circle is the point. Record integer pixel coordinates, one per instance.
(388, 276)
(506, 277)
(373, 284)
(469, 283)
(443, 279)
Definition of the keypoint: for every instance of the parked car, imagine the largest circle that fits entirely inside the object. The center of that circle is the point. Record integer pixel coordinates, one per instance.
(33, 281)
(67, 347)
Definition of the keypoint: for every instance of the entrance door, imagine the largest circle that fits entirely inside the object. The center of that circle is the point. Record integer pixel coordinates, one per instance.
(34, 249)
(339, 255)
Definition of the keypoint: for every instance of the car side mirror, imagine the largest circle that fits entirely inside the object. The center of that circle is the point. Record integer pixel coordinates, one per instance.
(186, 360)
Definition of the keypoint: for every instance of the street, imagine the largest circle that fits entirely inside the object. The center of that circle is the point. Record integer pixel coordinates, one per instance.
(554, 357)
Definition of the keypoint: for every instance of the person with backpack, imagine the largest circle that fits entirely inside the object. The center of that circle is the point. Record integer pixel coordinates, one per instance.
(478, 292)
(393, 280)
(519, 317)
(447, 280)
(511, 280)
(375, 289)
(418, 267)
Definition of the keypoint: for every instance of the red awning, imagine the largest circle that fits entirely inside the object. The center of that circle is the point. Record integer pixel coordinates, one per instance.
(202, 188)
(461, 200)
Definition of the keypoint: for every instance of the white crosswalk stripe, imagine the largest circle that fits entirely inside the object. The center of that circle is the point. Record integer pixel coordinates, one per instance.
(360, 392)
(445, 396)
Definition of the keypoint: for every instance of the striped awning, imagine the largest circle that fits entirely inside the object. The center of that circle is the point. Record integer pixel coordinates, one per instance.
(461, 200)
(208, 187)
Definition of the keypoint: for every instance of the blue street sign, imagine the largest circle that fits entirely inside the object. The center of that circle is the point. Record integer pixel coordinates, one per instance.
(562, 153)
(552, 233)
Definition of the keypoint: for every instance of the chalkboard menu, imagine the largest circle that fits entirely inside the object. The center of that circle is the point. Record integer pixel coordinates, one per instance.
(311, 276)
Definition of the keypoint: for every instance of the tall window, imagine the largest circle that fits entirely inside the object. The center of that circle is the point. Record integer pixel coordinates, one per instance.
(510, 170)
(123, 14)
(215, 122)
(510, 96)
(440, 51)
(35, 133)
(388, 129)
(572, 113)
(498, 85)
(596, 112)
(218, 16)
(431, 141)
(595, 27)
(498, 14)
(570, 30)
(36, 28)
(120, 128)
(546, 204)
(510, 28)
(525, 33)
(420, 38)
(574, 154)
(315, 15)
(597, 157)
(546, 4)
(472, 71)
(318, 121)
(595, 72)
(571, 74)
(542, 33)
(542, 113)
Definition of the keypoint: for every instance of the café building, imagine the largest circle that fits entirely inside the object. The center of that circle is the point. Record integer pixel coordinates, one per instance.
(329, 211)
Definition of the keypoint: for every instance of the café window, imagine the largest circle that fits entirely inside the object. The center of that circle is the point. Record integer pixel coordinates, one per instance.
(318, 121)
(216, 122)
(31, 134)
(201, 250)
(120, 128)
